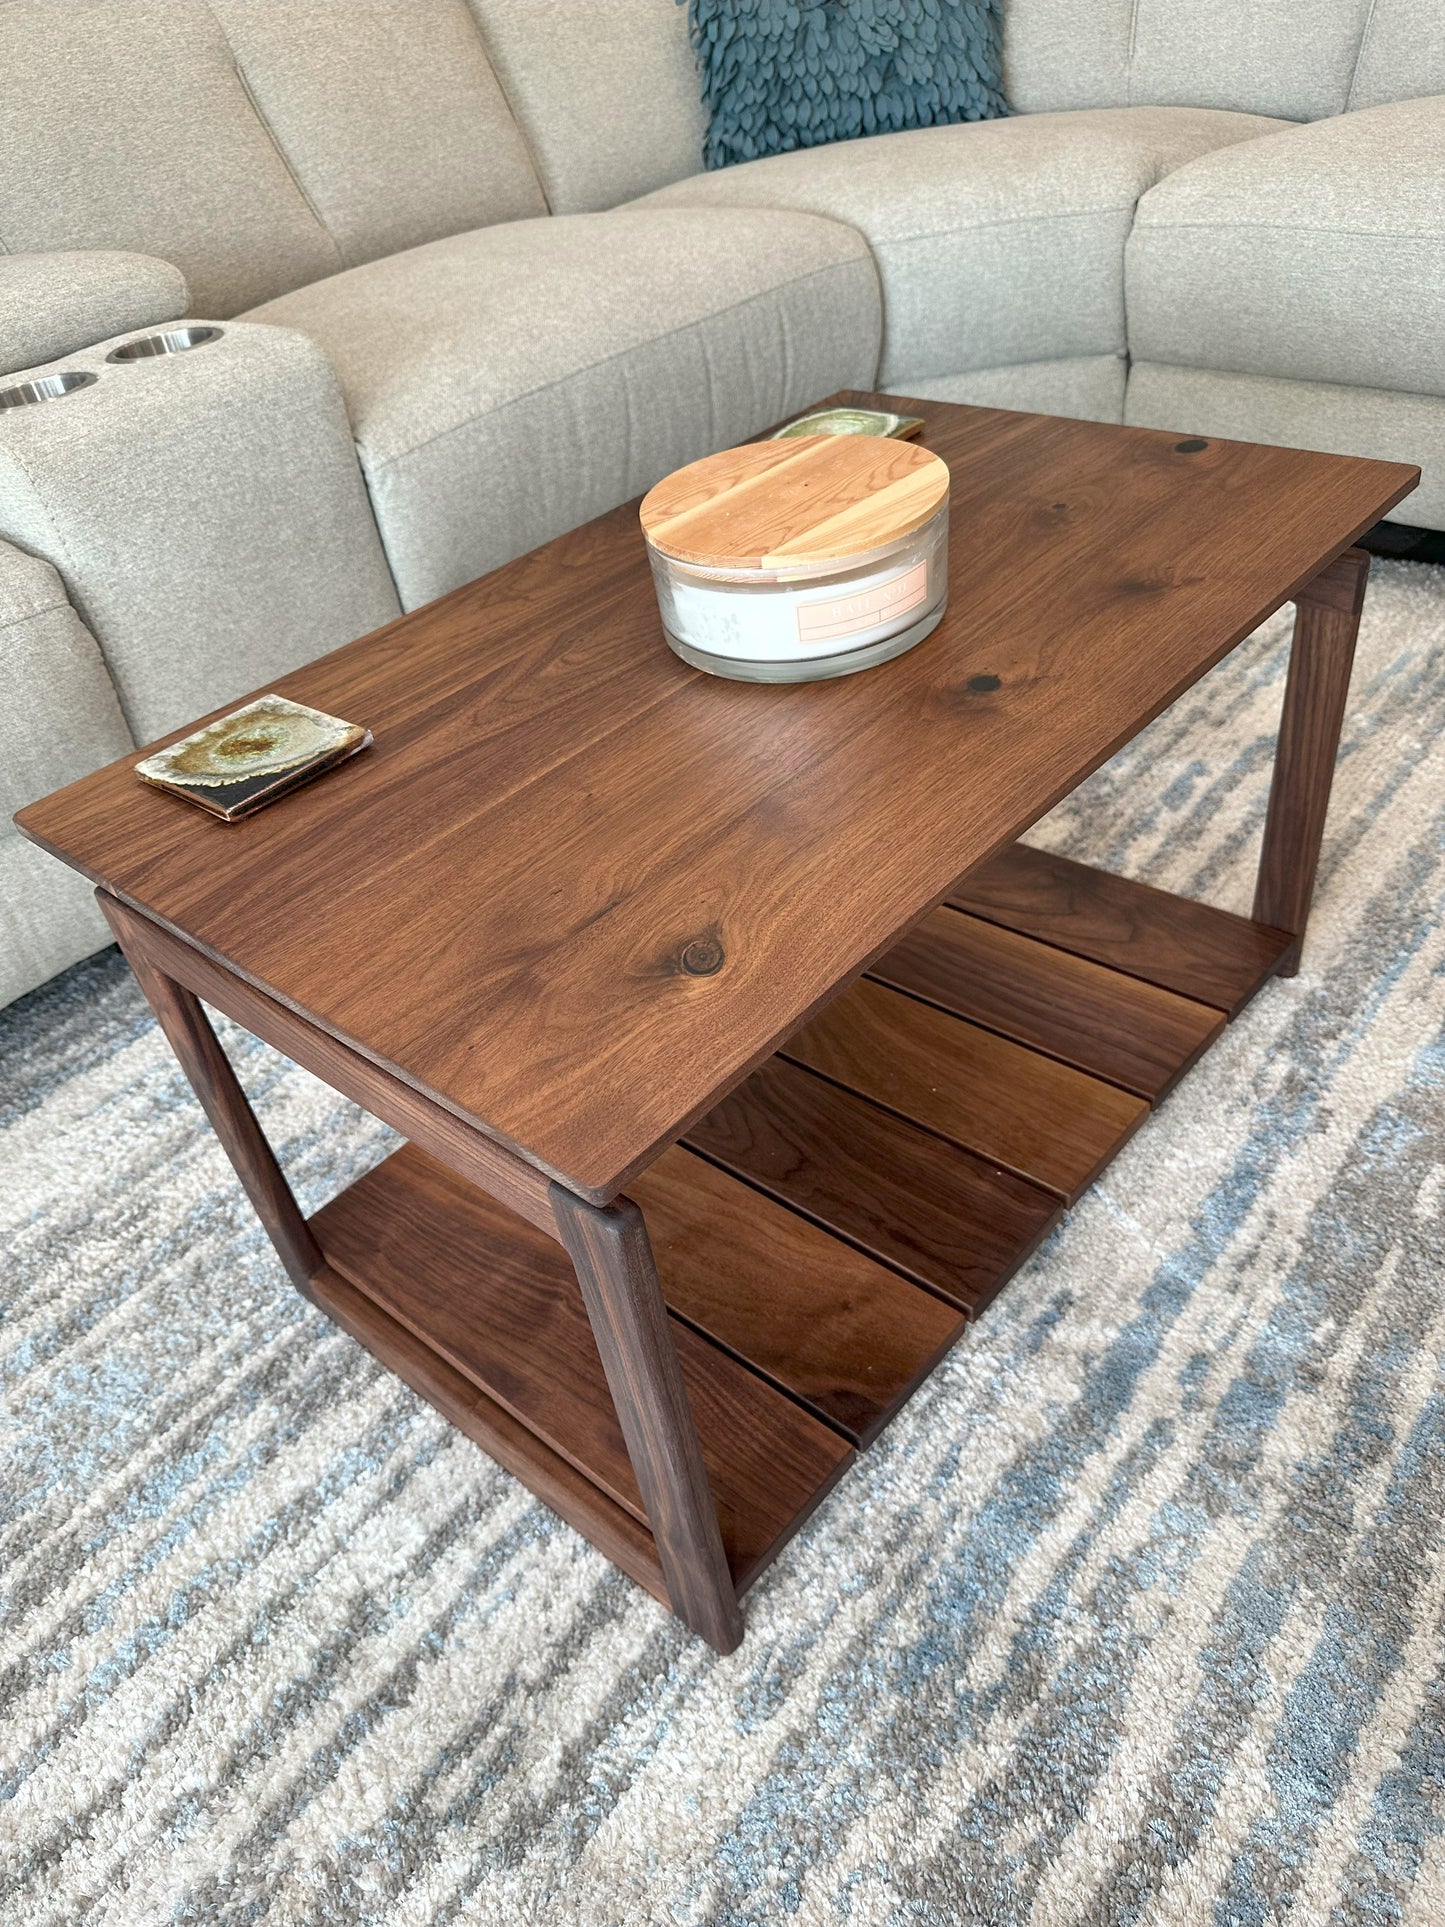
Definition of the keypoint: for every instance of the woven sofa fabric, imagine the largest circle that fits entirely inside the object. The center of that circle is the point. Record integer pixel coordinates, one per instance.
(203, 563)
(996, 243)
(48, 917)
(1314, 255)
(1403, 55)
(389, 116)
(53, 303)
(486, 425)
(1301, 414)
(60, 718)
(1289, 59)
(783, 74)
(129, 127)
(1087, 387)
(255, 144)
(606, 92)
(1060, 55)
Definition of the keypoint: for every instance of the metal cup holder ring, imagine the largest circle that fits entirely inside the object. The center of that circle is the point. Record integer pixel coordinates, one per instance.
(46, 388)
(169, 341)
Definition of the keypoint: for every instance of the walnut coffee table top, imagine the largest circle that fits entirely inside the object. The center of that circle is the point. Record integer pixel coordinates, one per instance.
(577, 890)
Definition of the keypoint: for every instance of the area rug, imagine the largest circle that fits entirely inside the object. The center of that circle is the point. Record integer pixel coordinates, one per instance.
(1134, 1616)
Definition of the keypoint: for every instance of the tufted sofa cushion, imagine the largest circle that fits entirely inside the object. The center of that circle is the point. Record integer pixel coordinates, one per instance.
(60, 718)
(1403, 54)
(129, 127)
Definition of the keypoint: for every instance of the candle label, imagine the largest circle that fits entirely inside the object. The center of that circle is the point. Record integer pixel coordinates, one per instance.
(873, 608)
(784, 622)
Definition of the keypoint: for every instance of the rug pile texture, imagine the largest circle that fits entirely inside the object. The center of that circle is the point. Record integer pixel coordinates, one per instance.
(1135, 1615)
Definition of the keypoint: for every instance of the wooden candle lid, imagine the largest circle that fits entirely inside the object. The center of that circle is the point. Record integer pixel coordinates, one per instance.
(821, 499)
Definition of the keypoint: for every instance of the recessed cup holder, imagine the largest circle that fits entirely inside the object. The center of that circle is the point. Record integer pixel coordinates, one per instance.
(46, 388)
(170, 341)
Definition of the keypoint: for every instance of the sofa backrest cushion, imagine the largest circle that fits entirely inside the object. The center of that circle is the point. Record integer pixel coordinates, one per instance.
(1059, 55)
(129, 127)
(256, 144)
(1291, 58)
(389, 115)
(261, 144)
(1403, 56)
(606, 91)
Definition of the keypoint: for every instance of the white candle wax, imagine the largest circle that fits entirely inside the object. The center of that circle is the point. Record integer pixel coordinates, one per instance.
(780, 622)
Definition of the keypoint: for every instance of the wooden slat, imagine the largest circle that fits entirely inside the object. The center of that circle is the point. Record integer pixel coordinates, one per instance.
(1045, 1121)
(949, 1220)
(1191, 948)
(614, 1532)
(1099, 1020)
(500, 1302)
(823, 1320)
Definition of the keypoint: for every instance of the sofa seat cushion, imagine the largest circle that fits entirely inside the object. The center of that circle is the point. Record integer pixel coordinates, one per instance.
(996, 242)
(1313, 255)
(508, 384)
(60, 719)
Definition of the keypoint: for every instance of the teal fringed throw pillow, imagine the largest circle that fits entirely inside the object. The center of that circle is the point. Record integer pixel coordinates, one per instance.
(780, 74)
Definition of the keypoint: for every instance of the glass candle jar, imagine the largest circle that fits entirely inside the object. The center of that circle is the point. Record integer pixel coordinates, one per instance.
(809, 603)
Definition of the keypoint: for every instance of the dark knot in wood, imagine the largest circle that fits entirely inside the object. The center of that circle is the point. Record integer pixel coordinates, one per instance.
(703, 957)
(1194, 446)
(984, 685)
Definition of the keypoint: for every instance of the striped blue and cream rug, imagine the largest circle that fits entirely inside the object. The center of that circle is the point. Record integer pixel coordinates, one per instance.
(1137, 1614)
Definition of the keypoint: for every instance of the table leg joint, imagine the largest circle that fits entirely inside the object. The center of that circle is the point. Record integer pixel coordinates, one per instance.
(612, 1255)
(188, 1031)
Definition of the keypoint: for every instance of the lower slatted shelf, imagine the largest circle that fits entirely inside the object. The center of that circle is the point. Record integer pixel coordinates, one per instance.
(1113, 1026)
(498, 1302)
(556, 1481)
(1001, 1101)
(823, 1233)
(944, 1218)
(1191, 948)
(826, 1322)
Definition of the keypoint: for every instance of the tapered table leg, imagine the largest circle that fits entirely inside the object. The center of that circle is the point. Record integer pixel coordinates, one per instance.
(196, 1045)
(1327, 621)
(612, 1253)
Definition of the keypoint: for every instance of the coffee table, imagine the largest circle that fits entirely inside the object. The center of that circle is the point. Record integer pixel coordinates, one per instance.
(741, 1049)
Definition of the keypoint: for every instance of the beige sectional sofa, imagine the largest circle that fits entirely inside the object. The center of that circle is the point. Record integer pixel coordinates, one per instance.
(472, 289)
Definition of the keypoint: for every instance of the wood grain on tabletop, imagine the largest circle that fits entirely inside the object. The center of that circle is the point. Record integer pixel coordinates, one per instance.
(577, 890)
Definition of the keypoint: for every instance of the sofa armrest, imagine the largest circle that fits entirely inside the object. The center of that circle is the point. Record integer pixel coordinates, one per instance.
(60, 719)
(205, 512)
(52, 304)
